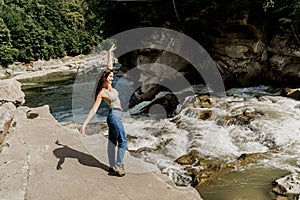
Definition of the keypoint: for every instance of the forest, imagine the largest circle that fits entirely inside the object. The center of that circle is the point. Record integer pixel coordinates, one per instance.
(44, 29)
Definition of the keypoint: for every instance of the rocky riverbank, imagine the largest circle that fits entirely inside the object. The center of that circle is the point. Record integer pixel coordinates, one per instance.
(34, 144)
(40, 68)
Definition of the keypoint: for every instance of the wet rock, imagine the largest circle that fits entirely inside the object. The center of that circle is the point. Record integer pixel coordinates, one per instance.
(241, 119)
(288, 186)
(201, 101)
(292, 93)
(176, 119)
(248, 158)
(189, 159)
(202, 114)
(200, 107)
(165, 106)
(204, 171)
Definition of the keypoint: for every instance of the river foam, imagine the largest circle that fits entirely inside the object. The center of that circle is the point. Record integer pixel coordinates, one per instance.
(276, 129)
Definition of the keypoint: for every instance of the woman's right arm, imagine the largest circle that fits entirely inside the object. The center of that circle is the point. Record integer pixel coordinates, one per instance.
(91, 113)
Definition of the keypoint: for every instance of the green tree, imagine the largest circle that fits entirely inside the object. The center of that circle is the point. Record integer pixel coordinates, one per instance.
(7, 53)
(44, 29)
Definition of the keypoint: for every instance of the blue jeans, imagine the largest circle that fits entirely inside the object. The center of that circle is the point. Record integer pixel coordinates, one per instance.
(116, 136)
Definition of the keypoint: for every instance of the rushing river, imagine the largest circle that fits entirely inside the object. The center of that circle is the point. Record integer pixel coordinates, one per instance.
(278, 127)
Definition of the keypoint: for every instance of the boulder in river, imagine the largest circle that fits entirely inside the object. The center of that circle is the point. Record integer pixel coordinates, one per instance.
(288, 186)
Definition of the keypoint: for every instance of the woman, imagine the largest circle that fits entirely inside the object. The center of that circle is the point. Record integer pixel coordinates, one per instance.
(116, 133)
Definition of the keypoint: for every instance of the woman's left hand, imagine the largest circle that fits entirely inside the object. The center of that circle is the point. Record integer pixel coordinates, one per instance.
(82, 131)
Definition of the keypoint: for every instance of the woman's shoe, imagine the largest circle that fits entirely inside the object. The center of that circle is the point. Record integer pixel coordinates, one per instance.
(119, 170)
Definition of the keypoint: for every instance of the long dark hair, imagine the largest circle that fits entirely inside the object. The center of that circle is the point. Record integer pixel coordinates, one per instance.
(101, 79)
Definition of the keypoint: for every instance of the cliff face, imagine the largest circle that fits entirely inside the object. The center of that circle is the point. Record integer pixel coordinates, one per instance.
(243, 53)
(245, 57)
(240, 53)
(283, 61)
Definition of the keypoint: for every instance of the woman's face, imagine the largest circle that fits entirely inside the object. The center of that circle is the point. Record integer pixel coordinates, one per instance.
(110, 78)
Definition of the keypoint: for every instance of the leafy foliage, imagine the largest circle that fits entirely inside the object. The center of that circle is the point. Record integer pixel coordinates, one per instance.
(44, 29)
(6, 50)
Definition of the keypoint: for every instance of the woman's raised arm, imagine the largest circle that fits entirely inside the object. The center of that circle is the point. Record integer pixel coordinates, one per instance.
(109, 57)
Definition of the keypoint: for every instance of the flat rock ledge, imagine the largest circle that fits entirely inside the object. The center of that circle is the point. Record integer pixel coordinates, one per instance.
(38, 146)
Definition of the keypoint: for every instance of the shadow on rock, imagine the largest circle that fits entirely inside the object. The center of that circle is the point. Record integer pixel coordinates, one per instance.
(64, 152)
